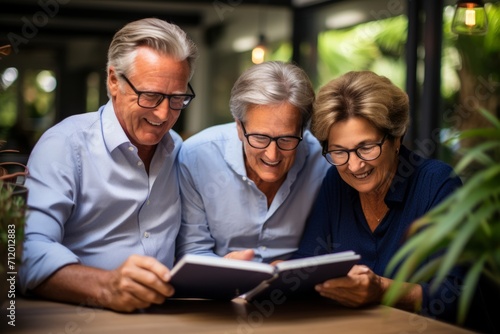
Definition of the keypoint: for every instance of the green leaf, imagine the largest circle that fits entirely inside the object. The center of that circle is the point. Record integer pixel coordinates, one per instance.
(487, 133)
(464, 229)
(469, 288)
(477, 154)
(491, 118)
(470, 224)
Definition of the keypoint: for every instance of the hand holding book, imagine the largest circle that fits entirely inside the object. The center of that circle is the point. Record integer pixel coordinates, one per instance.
(196, 276)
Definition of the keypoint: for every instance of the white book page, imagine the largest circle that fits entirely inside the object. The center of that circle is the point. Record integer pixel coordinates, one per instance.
(212, 261)
(316, 260)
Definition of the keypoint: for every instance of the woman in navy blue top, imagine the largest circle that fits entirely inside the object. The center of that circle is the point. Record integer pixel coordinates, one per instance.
(374, 191)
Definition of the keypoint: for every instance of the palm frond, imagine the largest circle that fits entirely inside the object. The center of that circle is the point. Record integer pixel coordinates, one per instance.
(463, 230)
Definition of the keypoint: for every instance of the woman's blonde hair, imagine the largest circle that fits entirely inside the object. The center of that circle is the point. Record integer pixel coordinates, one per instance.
(361, 94)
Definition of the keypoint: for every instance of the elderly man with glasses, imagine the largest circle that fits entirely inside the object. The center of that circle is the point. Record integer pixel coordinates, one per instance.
(104, 201)
(247, 186)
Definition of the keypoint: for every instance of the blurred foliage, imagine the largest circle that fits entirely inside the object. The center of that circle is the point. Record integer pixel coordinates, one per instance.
(481, 53)
(282, 52)
(470, 75)
(473, 61)
(377, 46)
(464, 229)
(8, 111)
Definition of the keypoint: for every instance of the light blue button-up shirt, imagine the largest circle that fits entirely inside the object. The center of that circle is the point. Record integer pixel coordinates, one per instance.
(92, 202)
(224, 211)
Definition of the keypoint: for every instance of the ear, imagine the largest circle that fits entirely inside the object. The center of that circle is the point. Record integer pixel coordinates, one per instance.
(113, 82)
(240, 130)
(397, 143)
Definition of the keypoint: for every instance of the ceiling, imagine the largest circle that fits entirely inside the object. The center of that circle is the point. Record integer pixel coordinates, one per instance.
(53, 21)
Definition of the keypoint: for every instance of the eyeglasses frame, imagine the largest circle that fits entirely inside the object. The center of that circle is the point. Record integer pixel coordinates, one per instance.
(355, 150)
(275, 139)
(139, 92)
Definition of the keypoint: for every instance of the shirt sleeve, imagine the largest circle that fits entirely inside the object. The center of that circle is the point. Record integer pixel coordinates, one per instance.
(316, 236)
(50, 202)
(194, 234)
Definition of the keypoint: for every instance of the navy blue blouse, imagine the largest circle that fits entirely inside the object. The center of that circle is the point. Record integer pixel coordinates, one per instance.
(337, 222)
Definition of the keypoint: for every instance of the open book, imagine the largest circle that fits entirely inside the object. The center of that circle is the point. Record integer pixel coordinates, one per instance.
(197, 276)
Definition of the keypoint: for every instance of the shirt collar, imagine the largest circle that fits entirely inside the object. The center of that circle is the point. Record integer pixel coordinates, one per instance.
(114, 135)
(233, 153)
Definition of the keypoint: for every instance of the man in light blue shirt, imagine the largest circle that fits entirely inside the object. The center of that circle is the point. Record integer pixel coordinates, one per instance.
(104, 202)
(247, 187)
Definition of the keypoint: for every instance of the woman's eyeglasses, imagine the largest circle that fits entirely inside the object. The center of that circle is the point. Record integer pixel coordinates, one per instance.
(367, 152)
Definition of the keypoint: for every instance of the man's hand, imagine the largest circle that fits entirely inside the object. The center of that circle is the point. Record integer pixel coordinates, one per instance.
(139, 282)
(246, 255)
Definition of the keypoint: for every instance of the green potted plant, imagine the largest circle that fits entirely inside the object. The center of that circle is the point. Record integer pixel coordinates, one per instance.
(13, 196)
(464, 228)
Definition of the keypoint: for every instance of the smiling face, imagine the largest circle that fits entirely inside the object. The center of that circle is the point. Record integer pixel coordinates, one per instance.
(369, 177)
(152, 72)
(270, 165)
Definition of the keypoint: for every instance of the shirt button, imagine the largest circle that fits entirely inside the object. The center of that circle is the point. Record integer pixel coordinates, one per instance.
(244, 178)
(263, 248)
(139, 163)
(131, 148)
(146, 234)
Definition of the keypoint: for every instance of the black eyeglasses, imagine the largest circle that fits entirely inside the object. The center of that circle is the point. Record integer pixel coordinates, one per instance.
(260, 141)
(365, 152)
(152, 100)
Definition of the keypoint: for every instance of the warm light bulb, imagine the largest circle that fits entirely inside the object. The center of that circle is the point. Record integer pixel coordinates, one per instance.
(258, 54)
(470, 17)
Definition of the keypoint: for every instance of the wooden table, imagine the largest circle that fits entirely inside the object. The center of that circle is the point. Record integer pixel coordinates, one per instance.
(204, 316)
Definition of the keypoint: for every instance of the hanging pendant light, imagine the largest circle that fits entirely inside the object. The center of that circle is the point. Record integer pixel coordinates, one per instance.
(259, 52)
(470, 18)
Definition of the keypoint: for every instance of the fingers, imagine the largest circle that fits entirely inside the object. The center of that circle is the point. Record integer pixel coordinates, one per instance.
(120, 300)
(246, 255)
(348, 281)
(276, 262)
(353, 290)
(139, 282)
(150, 265)
(359, 269)
(139, 293)
(149, 273)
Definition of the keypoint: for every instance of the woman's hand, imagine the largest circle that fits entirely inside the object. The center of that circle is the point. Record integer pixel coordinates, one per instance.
(360, 287)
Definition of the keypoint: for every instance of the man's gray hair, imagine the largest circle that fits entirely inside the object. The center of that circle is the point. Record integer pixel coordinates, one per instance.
(272, 83)
(161, 36)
